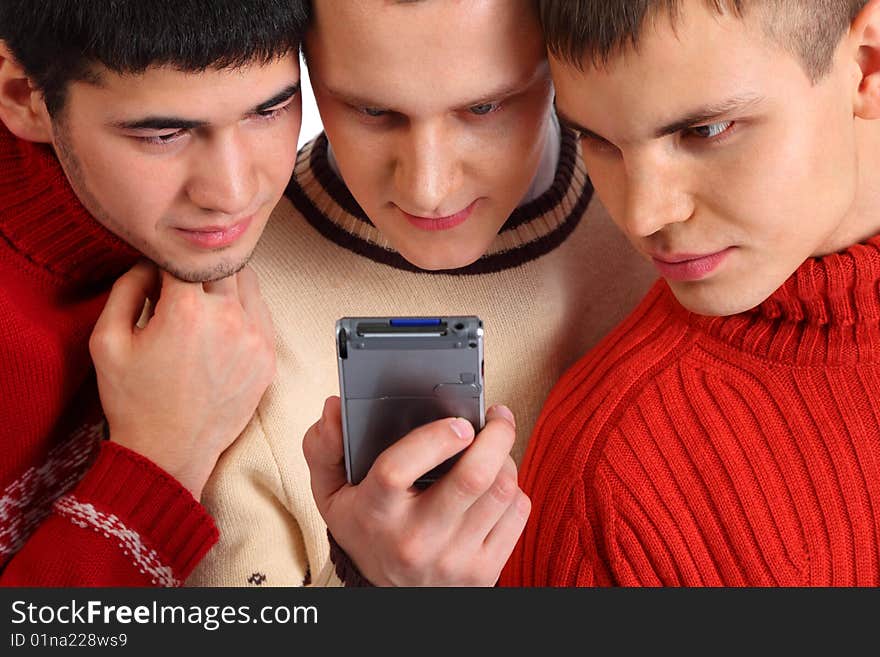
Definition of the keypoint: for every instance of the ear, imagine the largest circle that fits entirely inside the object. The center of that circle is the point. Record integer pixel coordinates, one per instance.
(22, 108)
(865, 35)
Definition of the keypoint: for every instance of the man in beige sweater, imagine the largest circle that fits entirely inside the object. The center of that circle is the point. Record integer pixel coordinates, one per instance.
(443, 185)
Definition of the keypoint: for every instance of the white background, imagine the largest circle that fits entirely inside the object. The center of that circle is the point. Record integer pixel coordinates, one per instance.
(311, 121)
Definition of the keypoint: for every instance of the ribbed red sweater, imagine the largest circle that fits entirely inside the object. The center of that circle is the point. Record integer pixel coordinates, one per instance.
(737, 451)
(75, 510)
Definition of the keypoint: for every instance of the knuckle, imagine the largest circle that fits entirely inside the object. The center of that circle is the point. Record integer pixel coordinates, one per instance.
(230, 323)
(385, 475)
(187, 310)
(309, 444)
(474, 480)
(121, 284)
(100, 344)
(410, 553)
(505, 487)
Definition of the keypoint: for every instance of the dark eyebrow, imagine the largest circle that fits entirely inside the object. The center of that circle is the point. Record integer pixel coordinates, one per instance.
(574, 126)
(286, 94)
(160, 123)
(709, 113)
(177, 123)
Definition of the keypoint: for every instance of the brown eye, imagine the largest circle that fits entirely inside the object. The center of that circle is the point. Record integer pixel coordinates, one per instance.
(163, 139)
(274, 111)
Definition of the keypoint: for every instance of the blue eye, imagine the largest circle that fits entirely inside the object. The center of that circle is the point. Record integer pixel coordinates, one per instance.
(483, 108)
(375, 112)
(712, 130)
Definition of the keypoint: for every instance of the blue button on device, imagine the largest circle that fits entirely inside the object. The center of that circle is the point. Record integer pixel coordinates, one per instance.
(415, 321)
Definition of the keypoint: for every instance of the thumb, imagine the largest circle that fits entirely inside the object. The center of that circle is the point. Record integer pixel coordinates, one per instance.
(325, 456)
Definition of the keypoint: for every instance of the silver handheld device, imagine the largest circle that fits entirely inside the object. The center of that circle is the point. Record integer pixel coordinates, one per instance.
(399, 373)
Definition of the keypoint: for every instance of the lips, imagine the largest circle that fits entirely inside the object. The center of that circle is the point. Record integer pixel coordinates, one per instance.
(440, 223)
(216, 237)
(689, 267)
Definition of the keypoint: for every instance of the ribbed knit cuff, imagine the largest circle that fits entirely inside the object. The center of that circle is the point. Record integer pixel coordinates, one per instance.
(345, 568)
(153, 518)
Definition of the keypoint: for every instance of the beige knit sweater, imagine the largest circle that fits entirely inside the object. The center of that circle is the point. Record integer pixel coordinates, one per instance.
(558, 277)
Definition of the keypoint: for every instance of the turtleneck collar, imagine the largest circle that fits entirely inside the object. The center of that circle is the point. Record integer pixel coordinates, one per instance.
(827, 312)
(535, 228)
(43, 219)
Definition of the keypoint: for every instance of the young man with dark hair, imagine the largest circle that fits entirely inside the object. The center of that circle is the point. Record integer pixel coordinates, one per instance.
(728, 432)
(164, 130)
(443, 184)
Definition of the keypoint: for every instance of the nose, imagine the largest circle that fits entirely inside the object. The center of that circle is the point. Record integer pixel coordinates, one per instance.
(427, 170)
(657, 195)
(224, 179)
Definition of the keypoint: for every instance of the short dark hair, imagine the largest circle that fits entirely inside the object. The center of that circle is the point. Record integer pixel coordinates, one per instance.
(61, 41)
(595, 30)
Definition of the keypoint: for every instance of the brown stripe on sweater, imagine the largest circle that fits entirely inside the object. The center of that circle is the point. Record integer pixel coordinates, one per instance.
(332, 184)
(562, 182)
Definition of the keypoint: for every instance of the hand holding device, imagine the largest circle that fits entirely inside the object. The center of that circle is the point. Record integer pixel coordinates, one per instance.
(460, 531)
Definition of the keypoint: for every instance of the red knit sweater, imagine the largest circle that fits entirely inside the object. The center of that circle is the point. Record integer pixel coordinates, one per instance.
(75, 510)
(737, 451)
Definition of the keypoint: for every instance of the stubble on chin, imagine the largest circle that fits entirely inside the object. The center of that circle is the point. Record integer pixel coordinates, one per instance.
(218, 272)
